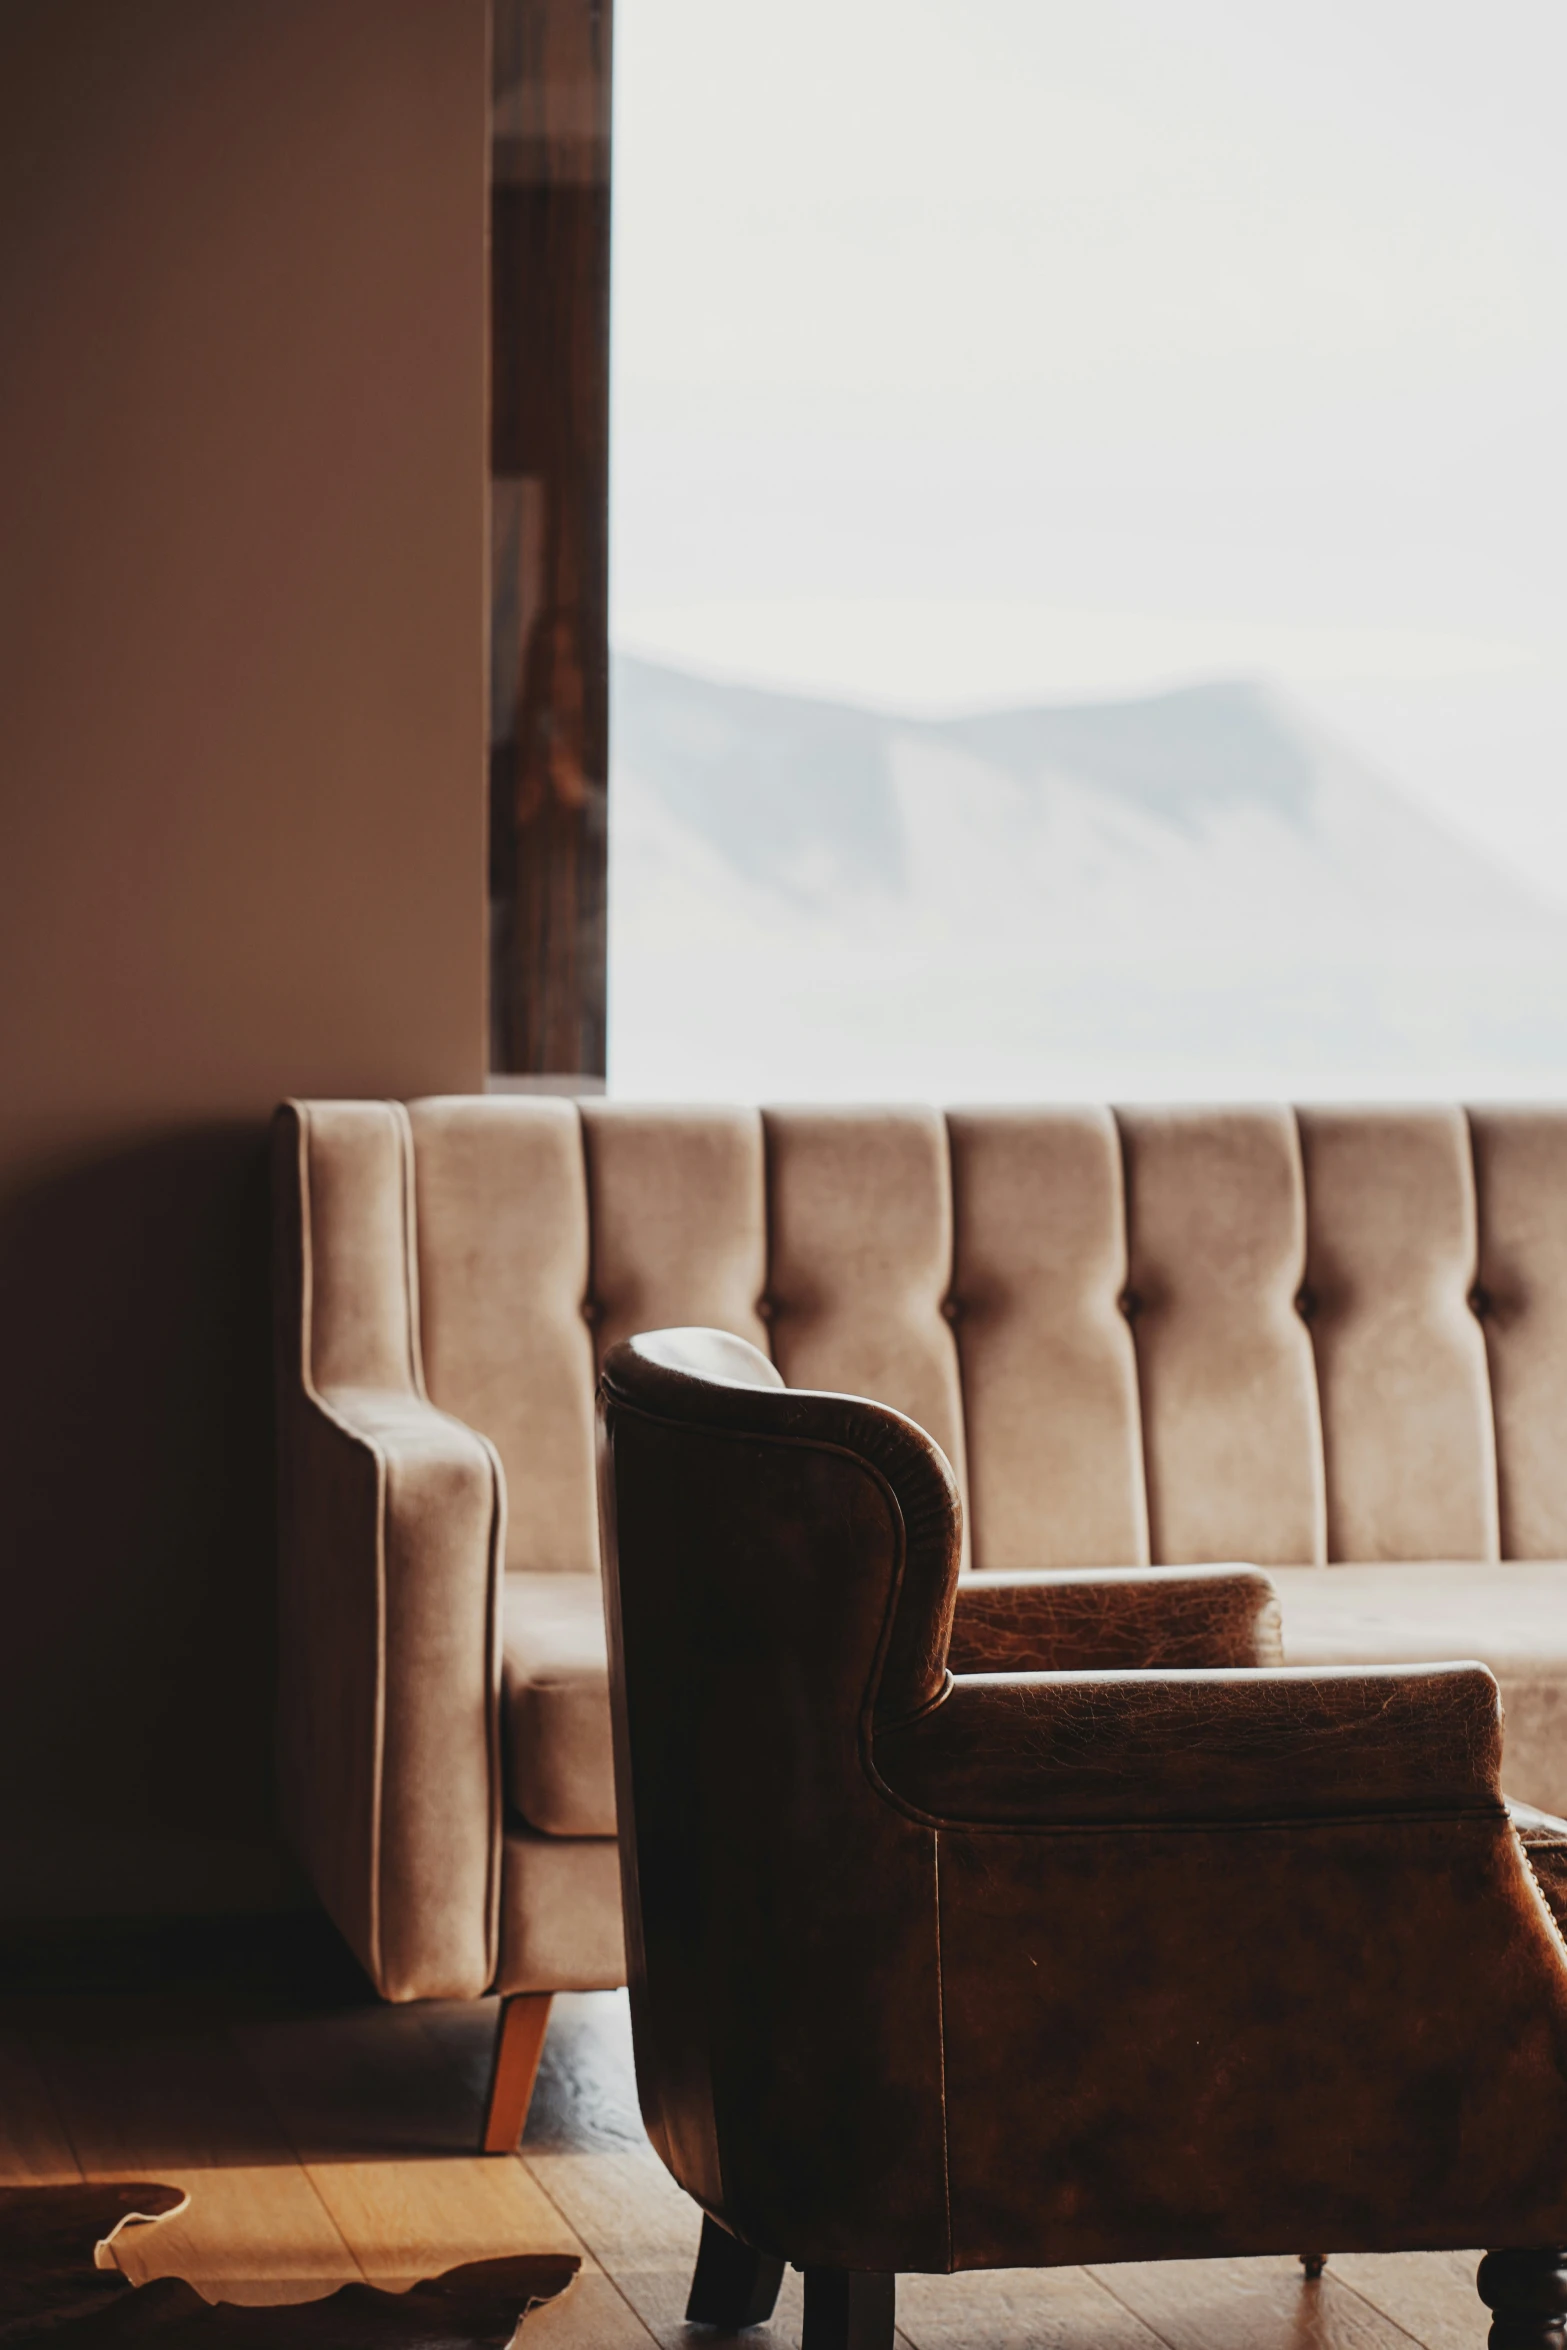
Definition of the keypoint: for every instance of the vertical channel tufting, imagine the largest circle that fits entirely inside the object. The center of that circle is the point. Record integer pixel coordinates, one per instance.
(1050, 1403)
(363, 1316)
(860, 1261)
(503, 1265)
(1520, 1159)
(1216, 1250)
(1401, 1363)
(679, 1214)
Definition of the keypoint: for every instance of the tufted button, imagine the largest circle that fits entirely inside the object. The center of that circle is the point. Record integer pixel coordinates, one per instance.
(951, 1309)
(1481, 1302)
(592, 1312)
(1130, 1304)
(766, 1311)
(1306, 1303)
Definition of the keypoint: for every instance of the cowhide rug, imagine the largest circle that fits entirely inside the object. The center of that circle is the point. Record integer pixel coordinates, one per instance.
(60, 2287)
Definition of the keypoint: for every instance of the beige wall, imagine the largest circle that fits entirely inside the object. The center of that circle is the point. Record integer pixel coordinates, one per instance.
(242, 765)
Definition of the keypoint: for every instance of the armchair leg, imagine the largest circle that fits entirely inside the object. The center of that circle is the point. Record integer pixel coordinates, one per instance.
(848, 2309)
(1526, 2293)
(519, 2043)
(1313, 2263)
(733, 2286)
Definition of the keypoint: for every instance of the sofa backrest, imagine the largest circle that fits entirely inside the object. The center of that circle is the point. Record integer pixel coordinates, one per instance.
(1168, 1335)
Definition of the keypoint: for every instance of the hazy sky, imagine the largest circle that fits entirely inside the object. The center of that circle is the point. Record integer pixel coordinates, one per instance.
(979, 350)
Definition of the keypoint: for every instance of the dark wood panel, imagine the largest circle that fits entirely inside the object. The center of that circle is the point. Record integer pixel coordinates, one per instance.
(549, 608)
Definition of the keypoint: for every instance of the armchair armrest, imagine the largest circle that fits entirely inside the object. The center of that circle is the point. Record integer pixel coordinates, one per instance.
(1101, 1749)
(1173, 1909)
(389, 1670)
(1127, 1619)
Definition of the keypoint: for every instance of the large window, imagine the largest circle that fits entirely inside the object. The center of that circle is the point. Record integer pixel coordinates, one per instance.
(1087, 499)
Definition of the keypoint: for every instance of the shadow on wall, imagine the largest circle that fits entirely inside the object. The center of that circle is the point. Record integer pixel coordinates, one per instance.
(136, 1462)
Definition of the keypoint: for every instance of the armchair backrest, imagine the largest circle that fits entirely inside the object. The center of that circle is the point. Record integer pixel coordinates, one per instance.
(780, 1575)
(1150, 1335)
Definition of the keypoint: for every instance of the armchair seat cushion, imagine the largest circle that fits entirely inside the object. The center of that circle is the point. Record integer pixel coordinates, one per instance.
(1512, 1617)
(560, 1774)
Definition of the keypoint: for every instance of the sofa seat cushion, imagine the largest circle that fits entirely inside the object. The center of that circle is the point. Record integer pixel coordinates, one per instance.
(560, 1914)
(555, 1680)
(1512, 1617)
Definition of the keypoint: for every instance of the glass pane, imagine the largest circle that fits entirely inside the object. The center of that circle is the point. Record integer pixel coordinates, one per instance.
(1087, 492)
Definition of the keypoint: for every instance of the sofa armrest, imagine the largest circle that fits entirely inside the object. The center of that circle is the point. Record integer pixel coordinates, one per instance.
(389, 1670)
(1115, 1619)
(1102, 1749)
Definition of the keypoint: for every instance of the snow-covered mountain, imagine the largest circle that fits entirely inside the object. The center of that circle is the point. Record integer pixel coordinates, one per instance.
(1196, 892)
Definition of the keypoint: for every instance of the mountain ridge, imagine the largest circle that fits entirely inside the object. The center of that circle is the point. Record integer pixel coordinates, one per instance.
(1201, 890)
(766, 778)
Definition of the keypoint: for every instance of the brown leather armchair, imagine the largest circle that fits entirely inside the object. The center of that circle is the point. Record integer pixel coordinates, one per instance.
(1031, 1920)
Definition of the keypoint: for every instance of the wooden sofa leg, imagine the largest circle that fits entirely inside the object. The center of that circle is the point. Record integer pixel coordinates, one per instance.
(1526, 2293)
(519, 2043)
(733, 2286)
(848, 2309)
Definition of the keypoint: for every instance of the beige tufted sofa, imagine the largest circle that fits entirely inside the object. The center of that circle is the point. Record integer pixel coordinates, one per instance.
(1329, 1342)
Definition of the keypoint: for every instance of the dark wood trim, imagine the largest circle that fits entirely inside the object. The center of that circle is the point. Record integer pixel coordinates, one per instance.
(549, 586)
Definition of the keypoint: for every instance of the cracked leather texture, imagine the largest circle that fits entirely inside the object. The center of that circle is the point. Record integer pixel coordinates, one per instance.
(1107, 1617)
(1066, 1749)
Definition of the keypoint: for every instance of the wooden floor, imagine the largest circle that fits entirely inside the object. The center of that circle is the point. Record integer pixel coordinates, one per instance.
(323, 2147)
